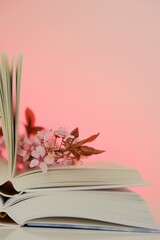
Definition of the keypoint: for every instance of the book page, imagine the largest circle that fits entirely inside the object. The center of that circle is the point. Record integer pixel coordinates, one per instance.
(120, 207)
(7, 111)
(1, 203)
(4, 171)
(16, 119)
(6, 108)
(81, 176)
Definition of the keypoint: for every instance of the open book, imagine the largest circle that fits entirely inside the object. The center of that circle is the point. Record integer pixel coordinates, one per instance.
(99, 175)
(111, 209)
(92, 195)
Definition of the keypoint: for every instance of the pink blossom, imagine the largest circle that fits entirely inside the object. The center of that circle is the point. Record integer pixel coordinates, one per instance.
(35, 162)
(42, 137)
(68, 135)
(48, 135)
(26, 157)
(39, 151)
(45, 149)
(42, 164)
(24, 149)
(22, 152)
(60, 160)
(38, 138)
(62, 133)
(48, 159)
(65, 161)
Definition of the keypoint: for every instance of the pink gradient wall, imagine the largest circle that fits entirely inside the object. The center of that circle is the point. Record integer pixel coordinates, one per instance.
(92, 64)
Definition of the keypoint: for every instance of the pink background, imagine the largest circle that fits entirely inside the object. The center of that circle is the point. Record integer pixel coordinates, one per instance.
(92, 64)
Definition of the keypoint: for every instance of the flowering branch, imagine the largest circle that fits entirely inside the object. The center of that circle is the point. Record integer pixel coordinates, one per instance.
(40, 148)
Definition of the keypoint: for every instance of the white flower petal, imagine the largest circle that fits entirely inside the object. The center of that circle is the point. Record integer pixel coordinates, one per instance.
(27, 141)
(48, 160)
(34, 163)
(26, 157)
(39, 135)
(22, 152)
(68, 135)
(47, 135)
(40, 150)
(60, 160)
(36, 140)
(61, 132)
(35, 154)
(43, 167)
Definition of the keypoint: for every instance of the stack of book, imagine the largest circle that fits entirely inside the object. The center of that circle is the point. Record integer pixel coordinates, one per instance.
(91, 195)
